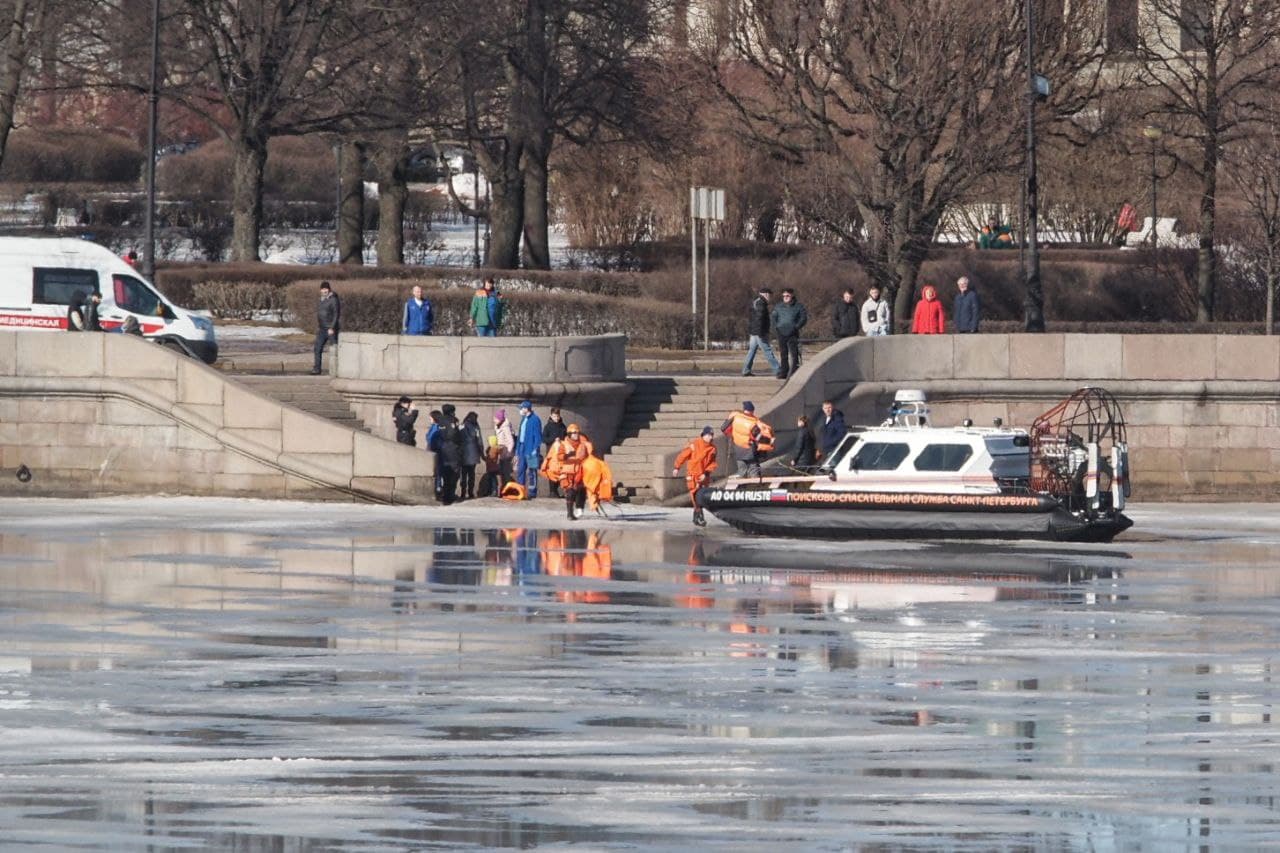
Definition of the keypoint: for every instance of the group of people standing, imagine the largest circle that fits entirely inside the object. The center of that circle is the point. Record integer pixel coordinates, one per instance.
(513, 456)
(417, 317)
(871, 317)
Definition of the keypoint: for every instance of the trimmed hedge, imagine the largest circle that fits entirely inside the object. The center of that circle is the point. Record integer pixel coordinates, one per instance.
(64, 154)
(375, 306)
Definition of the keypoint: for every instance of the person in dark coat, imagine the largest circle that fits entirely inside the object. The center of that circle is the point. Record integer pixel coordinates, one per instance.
(449, 453)
(805, 455)
(966, 312)
(832, 428)
(845, 319)
(92, 319)
(552, 431)
(405, 416)
(328, 322)
(789, 320)
(75, 313)
(758, 332)
(472, 454)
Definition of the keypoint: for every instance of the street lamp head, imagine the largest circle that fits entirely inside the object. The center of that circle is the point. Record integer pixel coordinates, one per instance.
(1152, 132)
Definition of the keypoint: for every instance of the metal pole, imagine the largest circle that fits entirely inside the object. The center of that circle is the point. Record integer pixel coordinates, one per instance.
(693, 255)
(1154, 218)
(153, 97)
(706, 286)
(475, 205)
(486, 220)
(1034, 307)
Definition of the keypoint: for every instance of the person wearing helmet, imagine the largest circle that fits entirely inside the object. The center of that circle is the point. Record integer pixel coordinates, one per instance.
(752, 439)
(571, 451)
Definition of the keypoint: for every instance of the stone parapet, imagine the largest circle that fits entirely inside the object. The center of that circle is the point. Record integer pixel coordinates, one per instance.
(112, 414)
(584, 376)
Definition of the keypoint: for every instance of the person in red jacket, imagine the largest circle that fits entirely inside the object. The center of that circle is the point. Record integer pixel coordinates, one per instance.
(929, 318)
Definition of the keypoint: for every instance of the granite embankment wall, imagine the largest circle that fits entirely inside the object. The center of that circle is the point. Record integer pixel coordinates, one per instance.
(1201, 409)
(584, 375)
(112, 414)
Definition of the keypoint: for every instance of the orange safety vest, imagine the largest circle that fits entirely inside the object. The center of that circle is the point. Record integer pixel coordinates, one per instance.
(701, 456)
(748, 431)
(570, 457)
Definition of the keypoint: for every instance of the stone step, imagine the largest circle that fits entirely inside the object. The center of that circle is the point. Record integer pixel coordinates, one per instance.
(312, 394)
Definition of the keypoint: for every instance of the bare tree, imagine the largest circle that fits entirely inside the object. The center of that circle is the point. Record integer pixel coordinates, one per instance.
(25, 20)
(888, 111)
(1209, 64)
(1255, 170)
(263, 68)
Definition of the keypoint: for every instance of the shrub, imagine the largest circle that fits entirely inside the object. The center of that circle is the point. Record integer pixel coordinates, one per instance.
(298, 169)
(55, 155)
(240, 300)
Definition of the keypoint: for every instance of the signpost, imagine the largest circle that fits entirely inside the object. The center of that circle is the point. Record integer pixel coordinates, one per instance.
(706, 204)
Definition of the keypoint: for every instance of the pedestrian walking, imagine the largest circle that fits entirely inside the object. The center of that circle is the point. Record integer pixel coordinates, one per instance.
(875, 314)
(929, 318)
(758, 332)
(486, 310)
(752, 439)
(405, 416)
(417, 317)
(966, 311)
(528, 450)
(699, 457)
(328, 322)
(844, 318)
(553, 430)
(788, 320)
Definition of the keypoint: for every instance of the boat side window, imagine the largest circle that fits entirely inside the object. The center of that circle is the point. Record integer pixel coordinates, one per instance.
(58, 286)
(135, 297)
(943, 457)
(841, 451)
(880, 456)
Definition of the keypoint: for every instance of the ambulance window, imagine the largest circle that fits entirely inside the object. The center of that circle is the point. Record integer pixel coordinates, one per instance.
(880, 456)
(135, 297)
(943, 457)
(57, 286)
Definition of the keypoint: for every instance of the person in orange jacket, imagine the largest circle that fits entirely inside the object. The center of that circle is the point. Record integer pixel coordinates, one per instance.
(700, 457)
(929, 318)
(752, 439)
(567, 456)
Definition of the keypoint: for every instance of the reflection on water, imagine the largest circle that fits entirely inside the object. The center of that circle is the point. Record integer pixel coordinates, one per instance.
(394, 685)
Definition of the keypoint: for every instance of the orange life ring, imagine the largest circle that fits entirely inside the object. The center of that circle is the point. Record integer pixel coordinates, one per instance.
(513, 491)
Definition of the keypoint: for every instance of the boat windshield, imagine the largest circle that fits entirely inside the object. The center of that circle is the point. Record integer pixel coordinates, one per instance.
(842, 450)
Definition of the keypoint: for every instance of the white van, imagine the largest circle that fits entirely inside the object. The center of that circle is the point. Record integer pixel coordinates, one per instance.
(40, 276)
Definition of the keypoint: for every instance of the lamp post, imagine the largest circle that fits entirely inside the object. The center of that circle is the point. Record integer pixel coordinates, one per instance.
(1153, 133)
(153, 96)
(1037, 88)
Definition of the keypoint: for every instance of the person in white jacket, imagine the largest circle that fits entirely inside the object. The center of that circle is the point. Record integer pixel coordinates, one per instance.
(875, 314)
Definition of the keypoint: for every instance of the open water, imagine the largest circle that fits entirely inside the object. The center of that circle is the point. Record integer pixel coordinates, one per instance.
(258, 676)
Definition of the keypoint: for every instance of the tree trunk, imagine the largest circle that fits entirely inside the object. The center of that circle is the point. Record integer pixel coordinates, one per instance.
(250, 158)
(351, 203)
(506, 209)
(1206, 260)
(388, 157)
(15, 57)
(536, 188)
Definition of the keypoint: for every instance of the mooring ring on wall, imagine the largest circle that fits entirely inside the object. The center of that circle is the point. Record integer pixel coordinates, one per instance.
(24, 474)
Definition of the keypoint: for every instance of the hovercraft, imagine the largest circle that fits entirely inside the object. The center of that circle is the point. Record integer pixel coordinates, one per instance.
(1065, 479)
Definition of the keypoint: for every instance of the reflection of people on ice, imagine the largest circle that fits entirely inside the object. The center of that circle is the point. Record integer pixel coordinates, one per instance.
(699, 456)
(574, 553)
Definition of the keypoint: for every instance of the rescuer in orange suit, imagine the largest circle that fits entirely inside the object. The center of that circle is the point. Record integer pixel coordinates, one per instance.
(700, 456)
(752, 439)
(569, 453)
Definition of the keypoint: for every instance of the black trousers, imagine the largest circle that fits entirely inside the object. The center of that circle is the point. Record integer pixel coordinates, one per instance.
(448, 484)
(323, 337)
(788, 354)
(468, 482)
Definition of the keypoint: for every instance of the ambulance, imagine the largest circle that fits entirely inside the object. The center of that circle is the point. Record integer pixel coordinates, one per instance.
(41, 276)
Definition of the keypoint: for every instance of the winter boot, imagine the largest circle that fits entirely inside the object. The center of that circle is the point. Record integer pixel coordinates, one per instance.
(698, 518)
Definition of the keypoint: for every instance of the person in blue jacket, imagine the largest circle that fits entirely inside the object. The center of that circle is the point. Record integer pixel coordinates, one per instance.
(528, 449)
(418, 317)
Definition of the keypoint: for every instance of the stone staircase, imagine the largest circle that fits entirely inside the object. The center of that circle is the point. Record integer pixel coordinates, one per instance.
(664, 412)
(303, 391)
